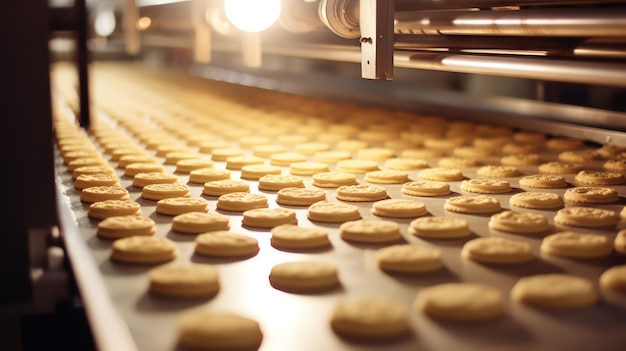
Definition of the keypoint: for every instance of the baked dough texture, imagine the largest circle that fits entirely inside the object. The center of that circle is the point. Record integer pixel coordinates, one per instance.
(463, 302)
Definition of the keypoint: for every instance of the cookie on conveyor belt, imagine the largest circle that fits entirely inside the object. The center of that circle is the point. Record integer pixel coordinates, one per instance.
(486, 186)
(218, 331)
(576, 245)
(225, 186)
(590, 194)
(124, 226)
(203, 175)
(199, 222)
(620, 242)
(128, 159)
(86, 161)
(409, 259)
(226, 244)
(556, 167)
(406, 164)
(163, 191)
(275, 182)
(426, 188)
(134, 168)
(463, 302)
(238, 202)
(143, 250)
(440, 174)
(578, 156)
(398, 208)
(308, 168)
(614, 166)
(222, 154)
(437, 227)
(174, 206)
(287, 158)
(304, 276)
(494, 171)
(494, 250)
(375, 154)
(371, 319)
(586, 217)
(536, 200)
(543, 181)
(478, 204)
(333, 179)
(142, 179)
(110, 208)
(331, 157)
(290, 237)
(237, 162)
(191, 164)
(369, 231)
(613, 285)
(102, 193)
(268, 217)
(361, 193)
(520, 160)
(599, 178)
(90, 180)
(555, 291)
(190, 280)
(299, 196)
(357, 166)
(386, 177)
(330, 212)
(519, 222)
(255, 172)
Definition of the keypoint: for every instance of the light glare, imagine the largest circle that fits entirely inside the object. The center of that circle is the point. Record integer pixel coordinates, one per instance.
(252, 15)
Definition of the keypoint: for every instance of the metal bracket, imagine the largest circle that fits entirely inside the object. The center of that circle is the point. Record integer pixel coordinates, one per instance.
(376, 23)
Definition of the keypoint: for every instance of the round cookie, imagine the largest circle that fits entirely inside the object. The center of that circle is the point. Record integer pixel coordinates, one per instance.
(110, 208)
(124, 226)
(493, 250)
(222, 154)
(143, 250)
(142, 179)
(535, 200)
(370, 319)
(398, 208)
(559, 168)
(290, 237)
(426, 188)
(409, 259)
(620, 242)
(520, 160)
(237, 162)
(457, 162)
(308, 168)
(331, 157)
(226, 244)
(163, 191)
(519, 223)
(274, 182)
(588, 194)
(184, 280)
(90, 180)
(268, 217)
(361, 193)
(330, 212)
(439, 227)
(304, 277)
(576, 245)
(460, 302)
(599, 178)
(215, 331)
(441, 174)
(544, 181)
(92, 170)
(554, 291)
(199, 222)
(614, 165)
(255, 172)
(375, 153)
(406, 164)
(472, 204)
(486, 186)
(370, 231)
(102, 193)
(333, 179)
(357, 166)
(287, 158)
(133, 169)
(492, 171)
(225, 186)
(204, 175)
(238, 202)
(299, 196)
(191, 164)
(128, 159)
(613, 285)
(386, 177)
(578, 156)
(174, 206)
(586, 217)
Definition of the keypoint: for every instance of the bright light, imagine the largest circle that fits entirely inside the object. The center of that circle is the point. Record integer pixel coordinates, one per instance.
(104, 24)
(252, 15)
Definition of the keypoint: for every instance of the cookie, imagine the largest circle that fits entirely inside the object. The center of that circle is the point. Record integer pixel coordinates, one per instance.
(143, 249)
(204, 175)
(308, 168)
(267, 150)
(426, 188)
(237, 162)
(620, 242)
(520, 160)
(329, 212)
(536, 200)
(370, 231)
(398, 208)
(199, 222)
(268, 217)
(444, 145)
(174, 206)
(486, 186)
(472, 204)
(386, 177)
(124, 226)
(554, 291)
(559, 168)
(299, 196)
(351, 145)
(92, 170)
(304, 277)
(191, 280)
(238, 202)
(441, 174)
(133, 169)
(493, 171)
(290, 237)
(420, 153)
(222, 154)
(86, 161)
(375, 154)
(110, 208)
(439, 227)
(599, 178)
(361, 193)
(357, 166)
(225, 186)
(519, 223)
(226, 244)
(589, 194)
(255, 172)
(514, 148)
(331, 157)
(493, 250)
(209, 145)
(614, 165)
(409, 259)
(576, 245)
(102, 193)
(543, 181)
(578, 156)
(333, 179)
(613, 281)
(191, 164)
(142, 179)
(272, 182)
(213, 331)
(370, 319)
(405, 164)
(90, 180)
(463, 302)
(457, 162)
(471, 152)
(586, 217)
(311, 148)
(163, 191)
(287, 158)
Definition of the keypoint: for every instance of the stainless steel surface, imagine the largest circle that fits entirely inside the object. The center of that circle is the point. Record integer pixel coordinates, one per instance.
(376, 25)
